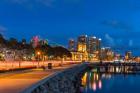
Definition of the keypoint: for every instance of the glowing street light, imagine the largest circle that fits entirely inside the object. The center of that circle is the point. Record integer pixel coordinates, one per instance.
(38, 53)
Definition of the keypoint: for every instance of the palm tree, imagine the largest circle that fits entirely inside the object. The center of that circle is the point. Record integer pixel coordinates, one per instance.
(2, 40)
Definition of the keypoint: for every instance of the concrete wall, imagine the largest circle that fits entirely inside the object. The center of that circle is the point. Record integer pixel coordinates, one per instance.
(67, 81)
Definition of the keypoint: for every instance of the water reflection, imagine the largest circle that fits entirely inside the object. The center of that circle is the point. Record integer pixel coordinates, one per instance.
(109, 80)
(92, 80)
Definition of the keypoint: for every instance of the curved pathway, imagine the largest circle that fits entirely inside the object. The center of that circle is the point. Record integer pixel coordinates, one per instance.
(16, 82)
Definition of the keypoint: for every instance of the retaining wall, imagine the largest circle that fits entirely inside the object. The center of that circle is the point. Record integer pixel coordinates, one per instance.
(66, 81)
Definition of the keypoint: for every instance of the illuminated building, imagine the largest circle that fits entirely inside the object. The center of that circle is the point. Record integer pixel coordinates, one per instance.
(137, 59)
(107, 54)
(86, 48)
(91, 45)
(35, 41)
(82, 43)
(82, 46)
(77, 56)
(82, 39)
(71, 46)
(117, 56)
(128, 55)
(98, 44)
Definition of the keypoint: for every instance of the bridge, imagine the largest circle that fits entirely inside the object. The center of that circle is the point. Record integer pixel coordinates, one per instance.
(113, 64)
(116, 68)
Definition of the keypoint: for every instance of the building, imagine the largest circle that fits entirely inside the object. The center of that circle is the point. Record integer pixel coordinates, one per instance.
(35, 41)
(107, 54)
(72, 45)
(98, 44)
(91, 46)
(82, 43)
(82, 39)
(128, 55)
(86, 48)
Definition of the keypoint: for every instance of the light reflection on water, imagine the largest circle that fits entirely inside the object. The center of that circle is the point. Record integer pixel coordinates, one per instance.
(95, 82)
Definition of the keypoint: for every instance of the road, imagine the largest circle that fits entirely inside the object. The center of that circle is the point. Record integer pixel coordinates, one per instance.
(16, 82)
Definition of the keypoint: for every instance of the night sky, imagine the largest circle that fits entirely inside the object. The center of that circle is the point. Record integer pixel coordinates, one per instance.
(117, 22)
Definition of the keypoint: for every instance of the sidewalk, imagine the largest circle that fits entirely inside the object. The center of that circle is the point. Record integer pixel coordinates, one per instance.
(17, 82)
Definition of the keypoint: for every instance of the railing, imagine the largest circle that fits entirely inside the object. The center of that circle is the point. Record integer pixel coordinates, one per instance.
(6, 65)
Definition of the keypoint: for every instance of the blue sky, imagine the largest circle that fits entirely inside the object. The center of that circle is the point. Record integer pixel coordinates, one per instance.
(117, 22)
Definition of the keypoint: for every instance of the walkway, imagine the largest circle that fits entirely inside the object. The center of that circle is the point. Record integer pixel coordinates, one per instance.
(18, 81)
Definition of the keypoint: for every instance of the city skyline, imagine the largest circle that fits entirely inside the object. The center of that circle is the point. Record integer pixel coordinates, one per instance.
(69, 46)
(115, 21)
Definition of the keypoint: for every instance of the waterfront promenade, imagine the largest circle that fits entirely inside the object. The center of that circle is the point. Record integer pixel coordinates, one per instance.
(16, 82)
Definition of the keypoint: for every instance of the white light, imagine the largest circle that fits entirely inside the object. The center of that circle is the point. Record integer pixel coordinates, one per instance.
(94, 37)
(103, 48)
(100, 39)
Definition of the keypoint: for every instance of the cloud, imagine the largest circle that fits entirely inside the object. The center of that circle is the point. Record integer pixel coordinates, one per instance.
(117, 25)
(110, 41)
(2, 29)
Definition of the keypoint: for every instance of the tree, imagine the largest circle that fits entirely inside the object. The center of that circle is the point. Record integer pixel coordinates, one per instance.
(23, 41)
(61, 52)
(2, 40)
(12, 43)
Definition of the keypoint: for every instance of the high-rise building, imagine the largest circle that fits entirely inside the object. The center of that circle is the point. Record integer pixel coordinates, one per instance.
(35, 41)
(128, 55)
(98, 44)
(107, 53)
(82, 43)
(91, 45)
(82, 39)
(86, 48)
(72, 46)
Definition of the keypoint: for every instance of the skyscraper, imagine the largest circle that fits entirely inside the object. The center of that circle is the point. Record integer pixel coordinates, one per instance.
(82, 43)
(128, 55)
(72, 46)
(98, 44)
(91, 45)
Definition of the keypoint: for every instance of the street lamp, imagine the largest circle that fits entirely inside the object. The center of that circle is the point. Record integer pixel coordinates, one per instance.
(38, 53)
(38, 56)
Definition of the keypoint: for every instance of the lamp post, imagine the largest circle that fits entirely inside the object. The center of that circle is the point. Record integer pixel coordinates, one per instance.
(38, 57)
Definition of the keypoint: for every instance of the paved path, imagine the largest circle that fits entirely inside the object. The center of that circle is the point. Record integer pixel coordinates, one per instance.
(18, 81)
